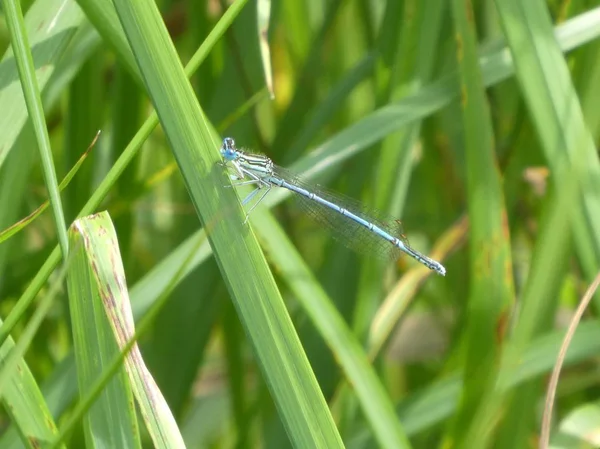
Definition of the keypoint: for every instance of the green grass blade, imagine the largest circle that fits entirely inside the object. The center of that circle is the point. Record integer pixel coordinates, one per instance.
(112, 177)
(255, 295)
(496, 67)
(374, 87)
(263, 15)
(539, 306)
(50, 26)
(104, 18)
(307, 76)
(33, 100)
(14, 174)
(21, 224)
(428, 408)
(20, 393)
(25, 403)
(36, 425)
(327, 320)
(491, 287)
(400, 298)
(113, 368)
(112, 419)
(331, 104)
(106, 275)
(546, 84)
(579, 428)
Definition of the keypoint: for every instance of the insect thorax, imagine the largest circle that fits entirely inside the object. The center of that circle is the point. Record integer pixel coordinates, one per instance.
(256, 163)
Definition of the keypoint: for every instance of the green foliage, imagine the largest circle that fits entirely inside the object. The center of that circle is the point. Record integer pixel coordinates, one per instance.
(474, 122)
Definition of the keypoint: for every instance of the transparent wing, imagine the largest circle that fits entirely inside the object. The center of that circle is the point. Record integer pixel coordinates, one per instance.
(347, 231)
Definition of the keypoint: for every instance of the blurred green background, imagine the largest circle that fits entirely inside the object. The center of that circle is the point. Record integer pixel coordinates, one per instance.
(473, 122)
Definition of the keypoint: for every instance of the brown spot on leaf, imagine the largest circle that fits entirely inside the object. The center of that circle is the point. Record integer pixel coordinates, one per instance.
(469, 11)
(95, 268)
(501, 327)
(50, 423)
(505, 227)
(459, 48)
(109, 300)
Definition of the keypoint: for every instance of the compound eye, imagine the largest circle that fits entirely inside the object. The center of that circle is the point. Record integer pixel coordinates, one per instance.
(228, 150)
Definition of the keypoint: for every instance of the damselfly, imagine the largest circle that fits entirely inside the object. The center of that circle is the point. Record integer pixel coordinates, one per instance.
(356, 226)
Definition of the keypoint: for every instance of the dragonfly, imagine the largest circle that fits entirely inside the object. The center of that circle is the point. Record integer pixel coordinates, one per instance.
(358, 227)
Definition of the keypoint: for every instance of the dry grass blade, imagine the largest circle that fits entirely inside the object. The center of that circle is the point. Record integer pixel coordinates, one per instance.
(547, 418)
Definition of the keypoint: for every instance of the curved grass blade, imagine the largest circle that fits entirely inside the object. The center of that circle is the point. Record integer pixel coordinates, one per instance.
(21, 224)
(100, 286)
(144, 325)
(112, 419)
